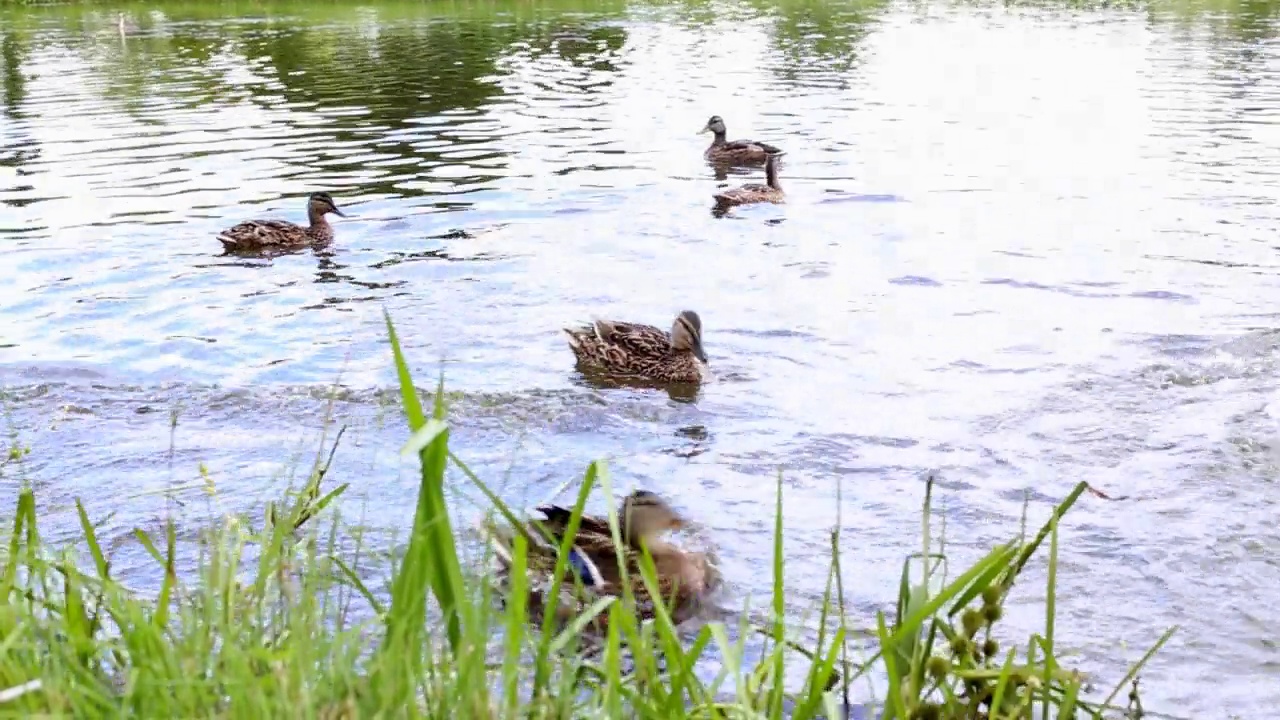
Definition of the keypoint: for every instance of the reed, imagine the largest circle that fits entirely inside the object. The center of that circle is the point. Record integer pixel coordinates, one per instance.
(280, 621)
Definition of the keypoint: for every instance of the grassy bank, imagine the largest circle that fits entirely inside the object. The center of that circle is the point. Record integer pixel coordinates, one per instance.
(278, 620)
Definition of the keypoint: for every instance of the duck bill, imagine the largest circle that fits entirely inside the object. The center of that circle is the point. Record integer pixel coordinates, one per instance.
(338, 212)
(705, 128)
(701, 354)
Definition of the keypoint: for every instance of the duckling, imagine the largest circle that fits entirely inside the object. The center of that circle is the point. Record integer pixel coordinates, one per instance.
(755, 192)
(684, 578)
(741, 152)
(635, 350)
(261, 234)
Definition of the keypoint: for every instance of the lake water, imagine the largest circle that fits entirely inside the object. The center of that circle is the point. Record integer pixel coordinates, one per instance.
(1023, 246)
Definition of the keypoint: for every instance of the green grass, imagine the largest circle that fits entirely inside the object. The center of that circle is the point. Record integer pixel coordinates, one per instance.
(279, 621)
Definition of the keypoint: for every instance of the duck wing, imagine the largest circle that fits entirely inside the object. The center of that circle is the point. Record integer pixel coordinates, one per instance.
(741, 194)
(747, 145)
(592, 544)
(634, 338)
(262, 233)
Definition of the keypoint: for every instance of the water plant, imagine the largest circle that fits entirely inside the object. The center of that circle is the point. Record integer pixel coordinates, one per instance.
(282, 620)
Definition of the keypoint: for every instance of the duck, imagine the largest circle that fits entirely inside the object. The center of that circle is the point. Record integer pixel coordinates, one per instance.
(741, 152)
(262, 234)
(684, 578)
(755, 192)
(643, 351)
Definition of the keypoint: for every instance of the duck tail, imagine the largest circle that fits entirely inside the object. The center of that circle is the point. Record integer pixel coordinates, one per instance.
(500, 539)
(582, 337)
(575, 337)
(601, 328)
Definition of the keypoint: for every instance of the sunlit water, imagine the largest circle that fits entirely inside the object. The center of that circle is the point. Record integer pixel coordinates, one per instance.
(1022, 247)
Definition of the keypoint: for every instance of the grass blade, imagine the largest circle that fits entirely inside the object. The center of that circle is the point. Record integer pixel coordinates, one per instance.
(91, 537)
(1137, 667)
(431, 559)
(779, 609)
(1050, 615)
(516, 616)
(354, 580)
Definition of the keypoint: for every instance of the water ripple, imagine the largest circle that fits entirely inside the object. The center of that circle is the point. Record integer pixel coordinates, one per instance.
(1050, 262)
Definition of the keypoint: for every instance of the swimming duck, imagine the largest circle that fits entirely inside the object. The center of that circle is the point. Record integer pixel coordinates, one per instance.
(635, 350)
(260, 234)
(745, 152)
(683, 578)
(755, 192)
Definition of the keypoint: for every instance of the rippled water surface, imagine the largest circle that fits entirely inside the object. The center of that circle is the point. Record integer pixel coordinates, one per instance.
(1023, 246)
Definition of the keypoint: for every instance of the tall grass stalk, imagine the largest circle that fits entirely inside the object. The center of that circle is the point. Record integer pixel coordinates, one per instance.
(298, 631)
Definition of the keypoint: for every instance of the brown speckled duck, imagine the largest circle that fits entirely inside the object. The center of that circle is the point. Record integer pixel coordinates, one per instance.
(755, 192)
(683, 578)
(643, 351)
(734, 152)
(268, 234)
